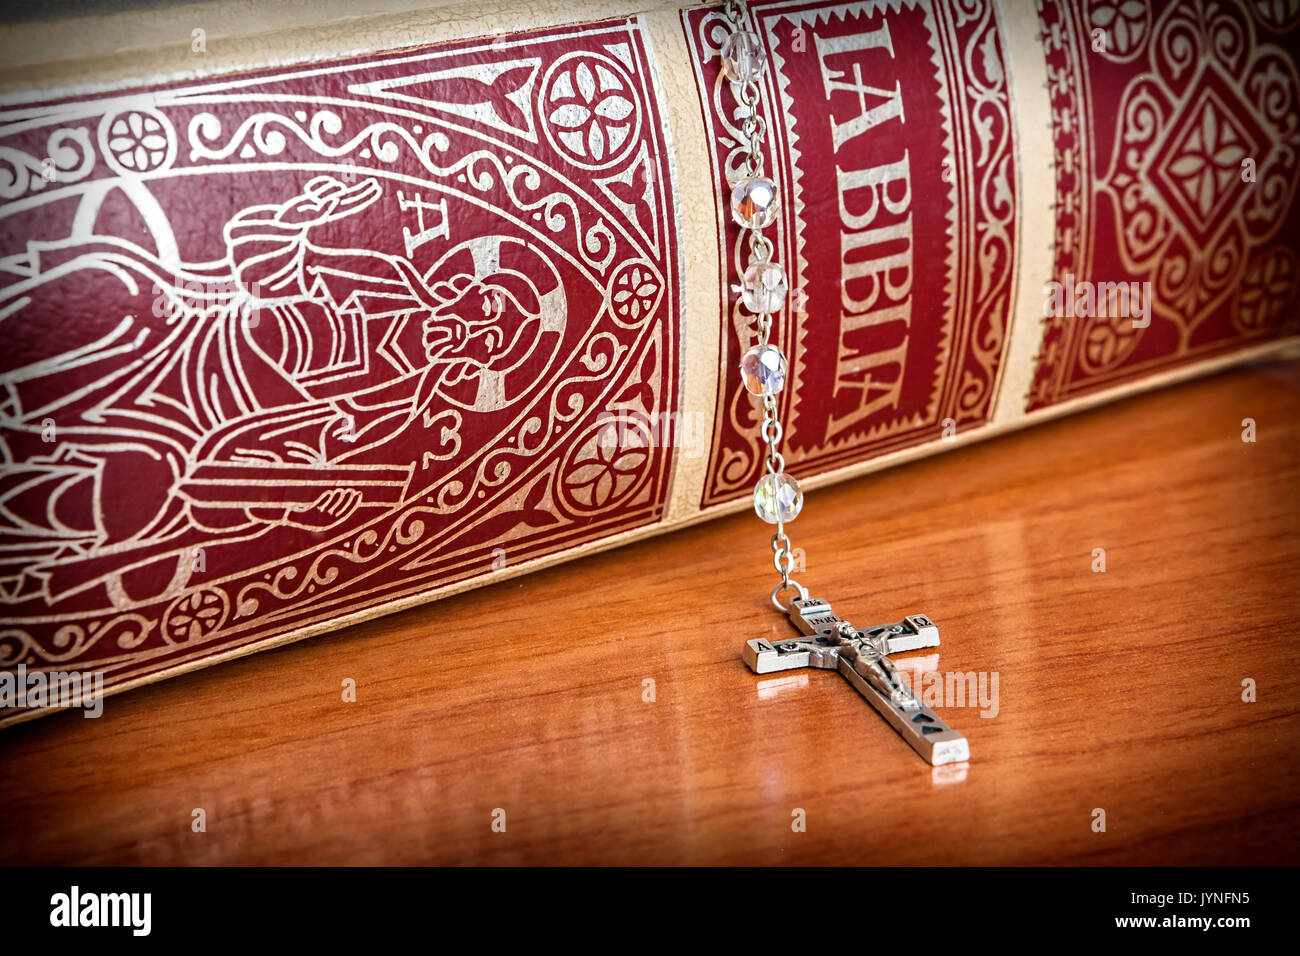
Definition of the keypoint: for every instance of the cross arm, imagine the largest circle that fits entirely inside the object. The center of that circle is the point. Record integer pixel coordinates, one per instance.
(814, 617)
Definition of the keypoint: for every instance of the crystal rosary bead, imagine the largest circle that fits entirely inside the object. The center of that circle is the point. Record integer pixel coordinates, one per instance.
(754, 202)
(763, 369)
(778, 498)
(743, 58)
(763, 287)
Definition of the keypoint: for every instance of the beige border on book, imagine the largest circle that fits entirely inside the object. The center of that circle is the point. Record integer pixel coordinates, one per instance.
(1031, 117)
(698, 258)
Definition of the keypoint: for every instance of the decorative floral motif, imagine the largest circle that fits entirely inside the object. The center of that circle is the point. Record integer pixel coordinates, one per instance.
(1268, 287)
(194, 616)
(634, 292)
(1278, 14)
(608, 466)
(68, 158)
(1204, 164)
(1183, 189)
(140, 141)
(1191, 211)
(590, 111)
(1125, 25)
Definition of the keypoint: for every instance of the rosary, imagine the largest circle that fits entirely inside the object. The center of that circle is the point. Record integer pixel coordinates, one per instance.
(862, 656)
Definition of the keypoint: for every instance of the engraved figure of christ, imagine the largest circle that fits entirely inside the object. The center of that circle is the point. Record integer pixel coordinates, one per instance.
(269, 446)
(875, 224)
(470, 325)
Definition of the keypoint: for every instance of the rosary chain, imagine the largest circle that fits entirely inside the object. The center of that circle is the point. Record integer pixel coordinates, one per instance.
(753, 127)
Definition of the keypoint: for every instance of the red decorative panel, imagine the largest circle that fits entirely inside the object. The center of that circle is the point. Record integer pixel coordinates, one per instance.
(890, 139)
(1177, 130)
(286, 347)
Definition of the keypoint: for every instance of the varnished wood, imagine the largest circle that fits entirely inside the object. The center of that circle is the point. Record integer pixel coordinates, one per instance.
(1118, 690)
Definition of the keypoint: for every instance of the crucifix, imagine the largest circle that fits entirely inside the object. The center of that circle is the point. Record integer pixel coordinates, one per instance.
(863, 658)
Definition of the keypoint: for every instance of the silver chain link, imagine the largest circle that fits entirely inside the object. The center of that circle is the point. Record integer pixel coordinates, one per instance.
(753, 128)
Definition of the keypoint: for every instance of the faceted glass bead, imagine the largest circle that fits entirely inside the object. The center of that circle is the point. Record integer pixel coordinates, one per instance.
(763, 287)
(778, 497)
(763, 368)
(743, 58)
(754, 202)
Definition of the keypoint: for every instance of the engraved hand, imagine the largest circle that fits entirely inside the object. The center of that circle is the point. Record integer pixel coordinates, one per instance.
(330, 509)
(344, 428)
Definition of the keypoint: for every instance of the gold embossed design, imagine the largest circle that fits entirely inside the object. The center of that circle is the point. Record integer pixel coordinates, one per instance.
(1176, 167)
(1204, 168)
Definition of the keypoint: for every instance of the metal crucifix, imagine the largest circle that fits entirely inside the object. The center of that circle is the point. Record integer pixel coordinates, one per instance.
(863, 658)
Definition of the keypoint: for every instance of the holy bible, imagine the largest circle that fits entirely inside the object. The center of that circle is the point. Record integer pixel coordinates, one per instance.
(306, 318)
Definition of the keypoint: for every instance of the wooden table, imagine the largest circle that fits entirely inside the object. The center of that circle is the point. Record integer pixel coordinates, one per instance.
(1119, 690)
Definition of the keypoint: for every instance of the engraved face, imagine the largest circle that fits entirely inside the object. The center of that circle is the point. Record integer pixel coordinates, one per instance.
(484, 326)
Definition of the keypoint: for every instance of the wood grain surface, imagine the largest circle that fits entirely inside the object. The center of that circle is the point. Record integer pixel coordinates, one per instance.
(1119, 690)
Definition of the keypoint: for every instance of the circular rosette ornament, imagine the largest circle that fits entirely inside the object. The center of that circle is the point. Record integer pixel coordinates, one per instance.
(609, 465)
(1108, 341)
(1266, 291)
(195, 616)
(589, 109)
(138, 141)
(634, 293)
